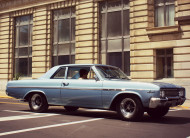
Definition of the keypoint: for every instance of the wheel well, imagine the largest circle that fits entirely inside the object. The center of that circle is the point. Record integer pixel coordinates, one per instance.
(27, 97)
(119, 97)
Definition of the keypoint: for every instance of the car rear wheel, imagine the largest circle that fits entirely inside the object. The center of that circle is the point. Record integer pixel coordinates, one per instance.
(70, 108)
(130, 108)
(158, 112)
(38, 103)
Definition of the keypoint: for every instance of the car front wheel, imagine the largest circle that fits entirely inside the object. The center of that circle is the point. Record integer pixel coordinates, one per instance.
(130, 108)
(38, 103)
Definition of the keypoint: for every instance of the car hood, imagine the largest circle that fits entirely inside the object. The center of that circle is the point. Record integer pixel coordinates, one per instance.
(166, 85)
(123, 84)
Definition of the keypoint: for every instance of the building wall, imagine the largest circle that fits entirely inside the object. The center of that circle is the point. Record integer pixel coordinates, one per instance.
(144, 37)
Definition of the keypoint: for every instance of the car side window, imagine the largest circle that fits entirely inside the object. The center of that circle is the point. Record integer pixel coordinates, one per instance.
(60, 74)
(80, 73)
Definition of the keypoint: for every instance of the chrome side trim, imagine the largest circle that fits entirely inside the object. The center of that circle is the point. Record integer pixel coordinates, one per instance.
(60, 87)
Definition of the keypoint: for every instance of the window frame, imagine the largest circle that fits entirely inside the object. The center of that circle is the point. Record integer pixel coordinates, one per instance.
(166, 19)
(71, 42)
(18, 24)
(165, 68)
(124, 49)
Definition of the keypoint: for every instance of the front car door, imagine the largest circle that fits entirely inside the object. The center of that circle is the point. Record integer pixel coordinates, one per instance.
(81, 92)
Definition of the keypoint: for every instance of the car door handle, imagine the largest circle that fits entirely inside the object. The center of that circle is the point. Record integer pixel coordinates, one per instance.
(65, 84)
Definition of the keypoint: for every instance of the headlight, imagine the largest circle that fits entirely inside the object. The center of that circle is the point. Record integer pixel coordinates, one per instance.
(162, 93)
(181, 93)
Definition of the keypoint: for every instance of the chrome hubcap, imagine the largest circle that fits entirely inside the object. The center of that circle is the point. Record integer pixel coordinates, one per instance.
(127, 107)
(36, 102)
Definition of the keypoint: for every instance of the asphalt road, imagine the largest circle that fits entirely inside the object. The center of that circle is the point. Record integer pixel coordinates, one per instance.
(17, 121)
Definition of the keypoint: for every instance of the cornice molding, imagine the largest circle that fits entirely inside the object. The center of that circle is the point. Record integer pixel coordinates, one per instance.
(7, 6)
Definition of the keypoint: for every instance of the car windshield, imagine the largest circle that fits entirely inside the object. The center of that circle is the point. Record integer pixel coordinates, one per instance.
(111, 72)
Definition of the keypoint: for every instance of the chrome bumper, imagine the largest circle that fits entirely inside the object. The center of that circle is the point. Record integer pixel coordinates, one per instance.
(169, 102)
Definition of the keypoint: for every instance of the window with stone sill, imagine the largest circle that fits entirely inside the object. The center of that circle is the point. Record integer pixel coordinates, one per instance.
(23, 46)
(64, 36)
(164, 13)
(115, 34)
(164, 63)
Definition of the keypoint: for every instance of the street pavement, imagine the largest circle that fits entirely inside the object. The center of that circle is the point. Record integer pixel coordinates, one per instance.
(16, 120)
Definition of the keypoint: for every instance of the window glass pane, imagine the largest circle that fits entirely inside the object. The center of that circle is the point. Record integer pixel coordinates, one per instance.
(23, 35)
(114, 24)
(73, 73)
(60, 74)
(64, 49)
(16, 67)
(170, 14)
(55, 32)
(72, 59)
(23, 66)
(126, 3)
(160, 67)
(127, 63)
(64, 30)
(31, 30)
(170, 67)
(64, 13)
(127, 44)
(115, 59)
(170, 1)
(126, 22)
(55, 61)
(159, 16)
(103, 26)
(72, 48)
(30, 51)
(63, 60)
(160, 52)
(158, 2)
(114, 5)
(73, 11)
(103, 6)
(24, 19)
(30, 67)
(114, 45)
(55, 14)
(73, 29)
(23, 51)
(169, 51)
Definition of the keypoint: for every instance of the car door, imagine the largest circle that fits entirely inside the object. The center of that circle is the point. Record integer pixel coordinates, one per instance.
(81, 92)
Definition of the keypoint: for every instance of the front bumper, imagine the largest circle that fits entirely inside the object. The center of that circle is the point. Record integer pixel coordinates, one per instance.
(166, 102)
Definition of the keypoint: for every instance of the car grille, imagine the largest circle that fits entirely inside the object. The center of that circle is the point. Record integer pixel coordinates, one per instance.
(171, 92)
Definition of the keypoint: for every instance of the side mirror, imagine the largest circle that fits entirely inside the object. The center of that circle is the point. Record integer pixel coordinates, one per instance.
(96, 78)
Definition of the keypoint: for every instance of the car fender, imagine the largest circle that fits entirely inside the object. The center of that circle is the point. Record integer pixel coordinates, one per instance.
(125, 93)
(27, 95)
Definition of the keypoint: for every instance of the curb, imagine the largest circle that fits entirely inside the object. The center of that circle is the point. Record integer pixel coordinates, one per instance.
(7, 97)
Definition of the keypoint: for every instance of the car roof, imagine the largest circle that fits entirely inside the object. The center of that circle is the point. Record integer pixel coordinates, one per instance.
(49, 73)
(73, 65)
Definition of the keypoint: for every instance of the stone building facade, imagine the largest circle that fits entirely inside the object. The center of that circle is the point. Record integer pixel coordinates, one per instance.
(148, 39)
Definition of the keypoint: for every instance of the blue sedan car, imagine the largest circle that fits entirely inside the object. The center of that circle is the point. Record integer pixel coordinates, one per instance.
(97, 86)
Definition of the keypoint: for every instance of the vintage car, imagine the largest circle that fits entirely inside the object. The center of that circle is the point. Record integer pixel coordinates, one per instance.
(97, 86)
